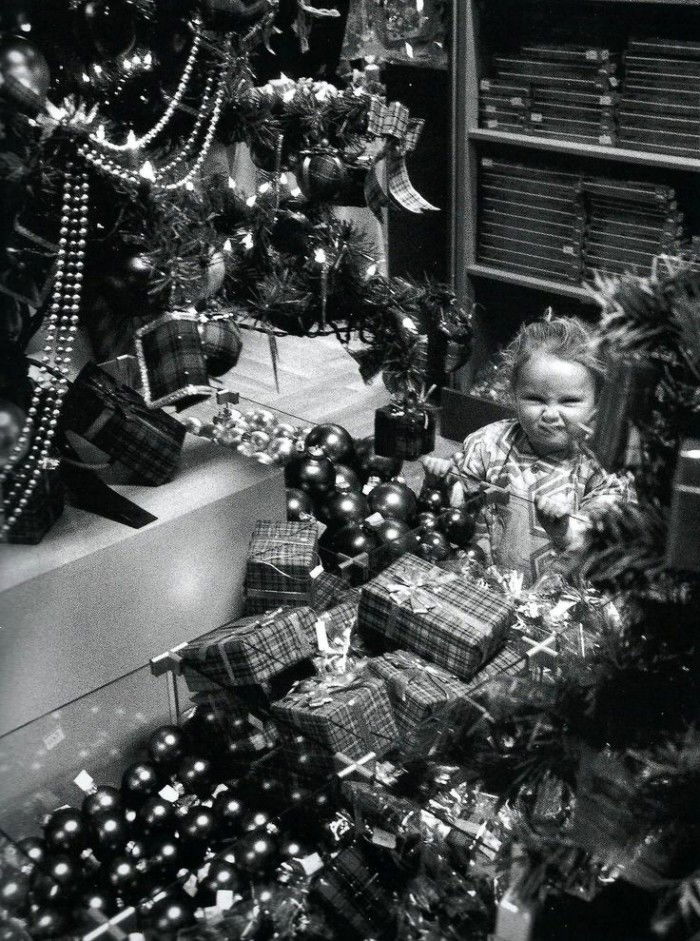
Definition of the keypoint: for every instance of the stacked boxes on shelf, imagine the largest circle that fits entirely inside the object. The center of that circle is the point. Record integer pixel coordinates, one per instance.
(566, 91)
(659, 107)
(566, 225)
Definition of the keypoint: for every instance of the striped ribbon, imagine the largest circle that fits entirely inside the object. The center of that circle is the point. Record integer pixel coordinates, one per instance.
(400, 133)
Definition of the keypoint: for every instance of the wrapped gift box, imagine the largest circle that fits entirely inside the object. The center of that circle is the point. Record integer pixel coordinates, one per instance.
(417, 690)
(404, 433)
(117, 421)
(249, 652)
(452, 621)
(350, 714)
(350, 890)
(281, 557)
(44, 504)
(379, 809)
(341, 616)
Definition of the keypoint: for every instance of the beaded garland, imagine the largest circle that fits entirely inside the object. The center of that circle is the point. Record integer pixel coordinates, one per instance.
(61, 329)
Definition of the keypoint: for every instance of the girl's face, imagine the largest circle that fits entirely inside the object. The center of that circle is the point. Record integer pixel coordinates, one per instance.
(551, 394)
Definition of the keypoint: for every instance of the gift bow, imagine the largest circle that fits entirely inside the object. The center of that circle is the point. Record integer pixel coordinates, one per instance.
(118, 400)
(411, 587)
(400, 133)
(315, 693)
(413, 668)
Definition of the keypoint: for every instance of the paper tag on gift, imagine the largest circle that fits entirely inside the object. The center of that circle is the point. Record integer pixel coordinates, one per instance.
(213, 915)
(224, 899)
(218, 790)
(54, 738)
(190, 886)
(321, 636)
(256, 722)
(203, 871)
(168, 793)
(383, 838)
(258, 741)
(315, 572)
(376, 519)
(311, 864)
(85, 781)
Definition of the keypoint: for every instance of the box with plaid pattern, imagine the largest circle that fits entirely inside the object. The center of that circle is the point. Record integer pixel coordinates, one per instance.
(250, 651)
(350, 891)
(451, 620)
(281, 557)
(116, 420)
(418, 690)
(349, 714)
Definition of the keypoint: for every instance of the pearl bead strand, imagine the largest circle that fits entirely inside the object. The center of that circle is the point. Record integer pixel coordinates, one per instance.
(62, 326)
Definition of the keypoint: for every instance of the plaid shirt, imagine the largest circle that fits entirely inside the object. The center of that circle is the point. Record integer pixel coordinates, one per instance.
(116, 420)
(417, 689)
(454, 622)
(249, 651)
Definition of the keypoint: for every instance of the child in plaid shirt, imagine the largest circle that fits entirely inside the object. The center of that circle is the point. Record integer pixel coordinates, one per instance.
(552, 483)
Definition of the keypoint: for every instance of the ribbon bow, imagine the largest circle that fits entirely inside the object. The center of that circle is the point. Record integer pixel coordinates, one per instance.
(316, 693)
(411, 587)
(401, 134)
(413, 669)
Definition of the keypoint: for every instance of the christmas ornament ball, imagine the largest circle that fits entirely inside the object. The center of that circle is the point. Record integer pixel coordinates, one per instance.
(426, 521)
(139, 782)
(123, 877)
(109, 833)
(156, 816)
(346, 479)
(476, 556)
(32, 852)
(221, 345)
(14, 886)
(349, 541)
(281, 449)
(221, 876)
(321, 176)
(12, 420)
(24, 73)
(48, 922)
(110, 26)
(257, 853)
(195, 773)
(457, 525)
(171, 915)
(314, 475)
(102, 798)
(370, 464)
(396, 536)
(166, 746)
(433, 547)
(339, 509)
(299, 505)
(98, 900)
(57, 880)
(65, 831)
(229, 811)
(333, 440)
(164, 854)
(431, 500)
(196, 827)
(393, 501)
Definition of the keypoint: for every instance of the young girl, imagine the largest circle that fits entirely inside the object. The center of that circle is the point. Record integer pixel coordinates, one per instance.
(552, 483)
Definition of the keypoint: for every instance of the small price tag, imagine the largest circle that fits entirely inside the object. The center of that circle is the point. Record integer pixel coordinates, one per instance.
(224, 899)
(203, 871)
(218, 789)
(315, 572)
(321, 636)
(84, 781)
(54, 738)
(258, 741)
(256, 722)
(190, 886)
(311, 864)
(168, 793)
(213, 915)
(383, 838)
(375, 519)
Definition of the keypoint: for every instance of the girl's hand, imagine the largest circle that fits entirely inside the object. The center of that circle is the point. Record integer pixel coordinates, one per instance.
(437, 466)
(553, 513)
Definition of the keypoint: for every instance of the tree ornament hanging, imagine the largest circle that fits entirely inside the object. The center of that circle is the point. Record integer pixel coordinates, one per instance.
(111, 27)
(233, 15)
(172, 360)
(221, 343)
(321, 175)
(24, 74)
(12, 420)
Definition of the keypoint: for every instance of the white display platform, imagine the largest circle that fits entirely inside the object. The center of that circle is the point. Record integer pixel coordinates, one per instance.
(97, 599)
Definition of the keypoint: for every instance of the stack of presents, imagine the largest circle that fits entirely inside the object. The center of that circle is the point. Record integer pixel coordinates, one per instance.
(348, 683)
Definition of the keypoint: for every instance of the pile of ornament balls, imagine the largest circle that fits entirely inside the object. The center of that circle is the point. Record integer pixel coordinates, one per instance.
(135, 845)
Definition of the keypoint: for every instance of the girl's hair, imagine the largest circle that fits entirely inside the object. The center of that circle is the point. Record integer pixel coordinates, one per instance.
(565, 337)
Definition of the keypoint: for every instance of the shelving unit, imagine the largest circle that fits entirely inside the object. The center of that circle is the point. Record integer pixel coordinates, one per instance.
(474, 41)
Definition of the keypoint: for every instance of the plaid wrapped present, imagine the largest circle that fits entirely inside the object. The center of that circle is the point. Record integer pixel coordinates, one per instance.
(342, 616)
(349, 714)
(44, 504)
(304, 758)
(417, 691)
(451, 621)
(281, 557)
(250, 651)
(172, 360)
(350, 890)
(115, 419)
(327, 591)
(378, 808)
(403, 432)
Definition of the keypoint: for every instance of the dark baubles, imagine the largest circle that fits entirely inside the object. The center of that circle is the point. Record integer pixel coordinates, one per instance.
(164, 856)
(229, 811)
(321, 176)
(257, 853)
(393, 501)
(109, 833)
(433, 547)
(333, 440)
(14, 886)
(346, 479)
(48, 922)
(123, 877)
(111, 27)
(170, 915)
(167, 745)
(370, 464)
(432, 500)
(139, 782)
(24, 74)
(102, 798)
(457, 525)
(157, 815)
(97, 900)
(396, 537)
(65, 831)
(426, 521)
(299, 506)
(195, 774)
(203, 730)
(221, 877)
(476, 556)
(58, 879)
(347, 542)
(196, 828)
(312, 474)
(342, 508)
(32, 852)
